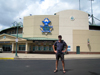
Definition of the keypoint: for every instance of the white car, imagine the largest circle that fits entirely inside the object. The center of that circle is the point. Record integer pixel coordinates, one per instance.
(1, 50)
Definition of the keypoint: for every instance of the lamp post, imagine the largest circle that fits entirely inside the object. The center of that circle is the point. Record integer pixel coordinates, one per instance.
(17, 38)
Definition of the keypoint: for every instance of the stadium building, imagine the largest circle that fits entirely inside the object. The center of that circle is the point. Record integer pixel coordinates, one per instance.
(39, 32)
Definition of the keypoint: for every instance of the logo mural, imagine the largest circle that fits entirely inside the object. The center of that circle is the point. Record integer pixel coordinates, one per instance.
(46, 28)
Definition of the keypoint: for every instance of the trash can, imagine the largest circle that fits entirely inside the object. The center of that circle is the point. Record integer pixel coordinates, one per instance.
(77, 49)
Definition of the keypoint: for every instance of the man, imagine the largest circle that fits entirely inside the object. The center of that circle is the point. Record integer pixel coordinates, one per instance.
(59, 52)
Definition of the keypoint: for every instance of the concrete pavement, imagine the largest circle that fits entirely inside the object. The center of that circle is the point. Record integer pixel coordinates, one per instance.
(48, 56)
(46, 67)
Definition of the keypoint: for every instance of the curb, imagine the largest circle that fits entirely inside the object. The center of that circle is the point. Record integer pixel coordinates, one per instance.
(35, 58)
(7, 58)
(69, 58)
(52, 58)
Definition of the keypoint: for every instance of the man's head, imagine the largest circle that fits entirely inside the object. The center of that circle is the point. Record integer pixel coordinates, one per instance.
(59, 37)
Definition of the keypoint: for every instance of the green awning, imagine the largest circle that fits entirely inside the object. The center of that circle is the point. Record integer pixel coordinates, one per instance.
(40, 38)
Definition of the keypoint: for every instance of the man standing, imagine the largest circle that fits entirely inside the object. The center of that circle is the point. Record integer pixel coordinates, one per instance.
(59, 52)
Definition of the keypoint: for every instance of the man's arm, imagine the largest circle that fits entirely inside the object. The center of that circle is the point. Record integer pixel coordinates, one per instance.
(65, 49)
(54, 49)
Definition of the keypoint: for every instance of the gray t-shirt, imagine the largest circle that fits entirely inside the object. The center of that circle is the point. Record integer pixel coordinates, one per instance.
(60, 46)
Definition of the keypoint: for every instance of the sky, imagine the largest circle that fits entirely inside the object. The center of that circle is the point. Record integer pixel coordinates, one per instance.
(12, 10)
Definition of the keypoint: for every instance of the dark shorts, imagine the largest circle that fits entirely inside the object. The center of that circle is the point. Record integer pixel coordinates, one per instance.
(60, 55)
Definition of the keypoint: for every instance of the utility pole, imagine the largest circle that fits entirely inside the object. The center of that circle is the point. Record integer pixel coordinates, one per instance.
(79, 5)
(91, 11)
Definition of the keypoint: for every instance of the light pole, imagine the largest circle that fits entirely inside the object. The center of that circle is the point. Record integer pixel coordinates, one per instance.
(17, 39)
(91, 11)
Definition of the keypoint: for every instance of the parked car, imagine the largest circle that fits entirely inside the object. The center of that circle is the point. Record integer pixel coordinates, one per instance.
(1, 50)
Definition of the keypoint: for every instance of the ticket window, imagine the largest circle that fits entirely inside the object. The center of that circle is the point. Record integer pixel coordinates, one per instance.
(47, 48)
(50, 48)
(44, 48)
(22, 47)
(41, 47)
(36, 48)
(33, 48)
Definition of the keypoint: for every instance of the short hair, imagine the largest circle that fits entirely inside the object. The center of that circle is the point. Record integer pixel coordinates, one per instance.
(59, 36)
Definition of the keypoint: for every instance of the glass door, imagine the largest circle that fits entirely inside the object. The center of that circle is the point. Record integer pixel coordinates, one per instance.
(47, 48)
(41, 48)
(50, 48)
(7, 47)
(33, 48)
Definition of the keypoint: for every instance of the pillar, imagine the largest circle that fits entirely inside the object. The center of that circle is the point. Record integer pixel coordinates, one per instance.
(12, 47)
(27, 48)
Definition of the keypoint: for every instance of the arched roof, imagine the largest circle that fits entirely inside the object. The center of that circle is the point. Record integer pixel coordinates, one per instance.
(71, 10)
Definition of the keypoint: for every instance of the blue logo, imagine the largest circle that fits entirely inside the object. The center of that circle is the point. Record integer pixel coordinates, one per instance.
(46, 28)
(72, 18)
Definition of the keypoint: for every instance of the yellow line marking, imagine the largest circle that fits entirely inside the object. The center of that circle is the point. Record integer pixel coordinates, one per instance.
(6, 58)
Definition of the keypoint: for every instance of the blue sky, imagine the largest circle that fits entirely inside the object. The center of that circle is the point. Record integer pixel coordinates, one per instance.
(12, 10)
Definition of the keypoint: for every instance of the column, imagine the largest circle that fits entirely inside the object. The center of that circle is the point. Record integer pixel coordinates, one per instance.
(12, 47)
(26, 48)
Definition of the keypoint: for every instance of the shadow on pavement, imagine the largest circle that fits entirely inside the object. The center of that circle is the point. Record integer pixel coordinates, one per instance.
(66, 70)
(93, 73)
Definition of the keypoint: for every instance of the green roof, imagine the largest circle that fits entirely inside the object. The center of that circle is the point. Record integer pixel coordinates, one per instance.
(40, 38)
(33, 38)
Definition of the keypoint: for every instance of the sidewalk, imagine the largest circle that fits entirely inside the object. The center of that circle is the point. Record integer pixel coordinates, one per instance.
(47, 56)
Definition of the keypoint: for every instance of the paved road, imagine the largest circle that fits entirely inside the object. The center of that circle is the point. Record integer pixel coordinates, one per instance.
(46, 67)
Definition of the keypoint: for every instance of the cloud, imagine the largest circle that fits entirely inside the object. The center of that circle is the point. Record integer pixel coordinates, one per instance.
(3, 27)
(12, 10)
(9, 9)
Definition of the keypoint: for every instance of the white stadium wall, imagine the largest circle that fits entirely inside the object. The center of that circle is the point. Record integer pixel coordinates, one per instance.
(70, 20)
